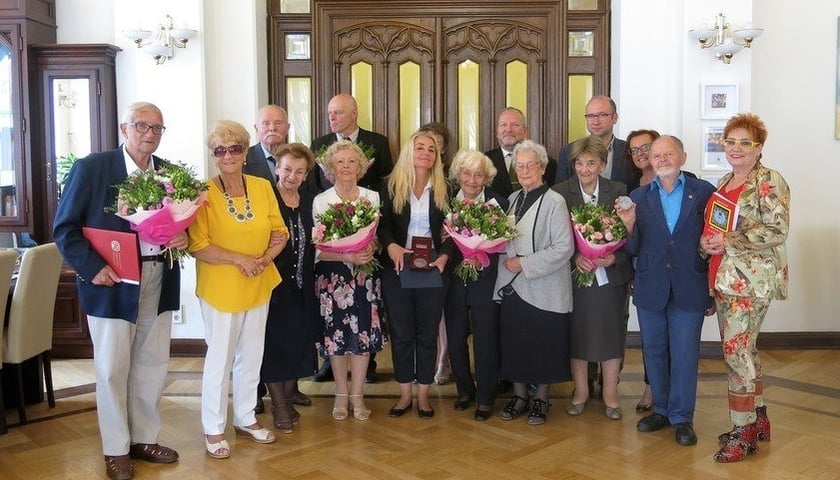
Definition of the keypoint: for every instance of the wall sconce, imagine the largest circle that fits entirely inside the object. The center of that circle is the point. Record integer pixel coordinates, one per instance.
(727, 42)
(161, 44)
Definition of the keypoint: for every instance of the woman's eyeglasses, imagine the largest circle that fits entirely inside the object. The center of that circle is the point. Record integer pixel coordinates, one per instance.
(640, 148)
(219, 152)
(743, 143)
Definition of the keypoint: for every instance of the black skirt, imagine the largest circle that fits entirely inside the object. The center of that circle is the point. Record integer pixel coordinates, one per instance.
(535, 343)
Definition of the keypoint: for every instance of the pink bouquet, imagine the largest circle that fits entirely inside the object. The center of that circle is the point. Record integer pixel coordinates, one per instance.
(598, 233)
(161, 204)
(348, 227)
(478, 229)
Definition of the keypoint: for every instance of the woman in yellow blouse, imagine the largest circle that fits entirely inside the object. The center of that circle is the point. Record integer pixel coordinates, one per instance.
(235, 237)
(748, 268)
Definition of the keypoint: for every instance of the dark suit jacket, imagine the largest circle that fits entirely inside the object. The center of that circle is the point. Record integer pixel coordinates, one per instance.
(375, 175)
(393, 227)
(669, 266)
(89, 190)
(257, 165)
(501, 183)
(621, 171)
(608, 190)
(480, 291)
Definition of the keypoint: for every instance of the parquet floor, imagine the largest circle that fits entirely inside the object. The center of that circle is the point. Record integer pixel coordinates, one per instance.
(802, 393)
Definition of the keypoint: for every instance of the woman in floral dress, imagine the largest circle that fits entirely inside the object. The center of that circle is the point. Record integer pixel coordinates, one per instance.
(350, 301)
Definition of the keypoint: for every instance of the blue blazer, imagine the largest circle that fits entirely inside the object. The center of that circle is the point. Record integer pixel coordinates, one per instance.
(669, 267)
(90, 188)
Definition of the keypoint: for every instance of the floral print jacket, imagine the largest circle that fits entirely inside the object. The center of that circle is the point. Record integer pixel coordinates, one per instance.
(755, 262)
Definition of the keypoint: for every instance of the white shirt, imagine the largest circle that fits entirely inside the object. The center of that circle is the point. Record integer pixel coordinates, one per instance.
(419, 225)
(587, 198)
(130, 168)
(508, 156)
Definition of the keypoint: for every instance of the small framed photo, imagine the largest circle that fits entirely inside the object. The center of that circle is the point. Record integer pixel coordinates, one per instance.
(718, 101)
(714, 158)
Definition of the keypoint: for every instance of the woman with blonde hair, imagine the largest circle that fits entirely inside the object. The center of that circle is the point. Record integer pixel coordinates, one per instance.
(236, 236)
(413, 207)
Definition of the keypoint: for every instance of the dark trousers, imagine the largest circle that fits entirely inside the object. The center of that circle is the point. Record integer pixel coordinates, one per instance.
(414, 316)
(485, 330)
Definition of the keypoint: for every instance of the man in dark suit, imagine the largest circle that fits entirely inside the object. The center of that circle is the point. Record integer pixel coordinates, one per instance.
(129, 326)
(601, 116)
(344, 115)
(671, 288)
(511, 130)
(272, 127)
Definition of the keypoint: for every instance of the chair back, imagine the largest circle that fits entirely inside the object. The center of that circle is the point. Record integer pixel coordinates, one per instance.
(33, 304)
(7, 268)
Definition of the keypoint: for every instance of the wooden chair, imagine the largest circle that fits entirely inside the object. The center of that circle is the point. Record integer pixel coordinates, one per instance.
(7, 267)
(29, 333)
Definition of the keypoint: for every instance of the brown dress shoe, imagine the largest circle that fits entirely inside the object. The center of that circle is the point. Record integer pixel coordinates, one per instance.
(119, 467)
(153, 452)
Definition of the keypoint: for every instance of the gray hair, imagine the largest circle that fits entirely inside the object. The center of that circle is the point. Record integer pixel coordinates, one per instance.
(532, 146)
(128, 113)
(471, 161)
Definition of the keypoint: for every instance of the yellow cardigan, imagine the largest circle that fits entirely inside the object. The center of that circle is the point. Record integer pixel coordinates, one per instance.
(224, 286)
(755, 260)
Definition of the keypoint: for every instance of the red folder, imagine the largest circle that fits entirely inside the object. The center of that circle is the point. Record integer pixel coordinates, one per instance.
(721, 215)
(120, 250)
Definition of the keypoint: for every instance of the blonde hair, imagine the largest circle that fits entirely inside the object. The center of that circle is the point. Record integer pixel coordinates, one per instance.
(340, 145)
(228, 131)
(401, 180)
(472, 161)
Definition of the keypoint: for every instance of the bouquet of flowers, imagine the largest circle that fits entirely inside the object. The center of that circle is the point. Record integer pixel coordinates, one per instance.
(161, 204)
(478, 229)
(348, 227)
(597, 233)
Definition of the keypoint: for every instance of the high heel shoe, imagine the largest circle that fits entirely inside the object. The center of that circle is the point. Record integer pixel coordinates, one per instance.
(741, 441)
(442, 374)
(339, 413)
(575, 409)
(360, 413)
(645, 402)
(613, 413)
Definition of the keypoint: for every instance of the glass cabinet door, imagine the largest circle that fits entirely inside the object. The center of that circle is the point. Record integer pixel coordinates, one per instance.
(10, 133)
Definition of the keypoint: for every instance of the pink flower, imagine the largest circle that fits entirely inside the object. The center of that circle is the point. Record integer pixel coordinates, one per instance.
(764, 189)
(169, 187)
(739, 285)
(598, 236)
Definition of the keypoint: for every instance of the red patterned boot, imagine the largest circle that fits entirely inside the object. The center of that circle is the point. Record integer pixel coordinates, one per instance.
(762, 424)
(741, 441)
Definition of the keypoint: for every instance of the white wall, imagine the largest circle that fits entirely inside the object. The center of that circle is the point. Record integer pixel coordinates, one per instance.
(657, 73)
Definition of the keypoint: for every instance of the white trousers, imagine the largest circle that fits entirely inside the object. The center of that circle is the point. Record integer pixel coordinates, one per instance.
(235, 342)
(131, 361)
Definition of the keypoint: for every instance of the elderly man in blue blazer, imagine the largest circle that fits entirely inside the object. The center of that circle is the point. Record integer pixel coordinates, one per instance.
(129, 324)
(671, 290)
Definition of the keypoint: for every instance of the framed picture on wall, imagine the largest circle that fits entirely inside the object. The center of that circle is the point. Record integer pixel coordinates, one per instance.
(718, 101)
(714, 157)
(837, 97)
(712, 178)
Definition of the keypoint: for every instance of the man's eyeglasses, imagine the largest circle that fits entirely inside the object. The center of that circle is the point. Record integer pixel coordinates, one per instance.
(219, 152)
(743, 143)
(143, 127)
(599, 116)
(640, 148)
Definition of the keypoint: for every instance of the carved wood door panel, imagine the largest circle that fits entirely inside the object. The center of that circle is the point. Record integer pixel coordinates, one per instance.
(471, 60)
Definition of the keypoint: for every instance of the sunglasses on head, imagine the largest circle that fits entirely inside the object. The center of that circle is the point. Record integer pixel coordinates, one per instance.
(219, 152)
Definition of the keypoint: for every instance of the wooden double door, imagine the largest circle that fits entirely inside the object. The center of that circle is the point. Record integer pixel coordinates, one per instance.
(460, 63)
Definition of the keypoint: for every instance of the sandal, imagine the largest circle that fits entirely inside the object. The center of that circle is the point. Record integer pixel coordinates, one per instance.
(339, 413)
(512, 410)
(442, 374)
(259, 435)
(539, 412)
(360, 413)
(219, 449)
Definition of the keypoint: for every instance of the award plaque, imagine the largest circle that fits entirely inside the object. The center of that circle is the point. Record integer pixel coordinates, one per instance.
(421, 256)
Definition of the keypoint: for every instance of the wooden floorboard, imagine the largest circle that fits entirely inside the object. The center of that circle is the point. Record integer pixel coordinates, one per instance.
(802, 391)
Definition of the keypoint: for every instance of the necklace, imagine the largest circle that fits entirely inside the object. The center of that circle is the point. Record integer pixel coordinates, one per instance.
(231, 208)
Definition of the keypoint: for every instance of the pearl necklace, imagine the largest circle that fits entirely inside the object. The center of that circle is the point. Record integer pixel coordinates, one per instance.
(231, 208)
